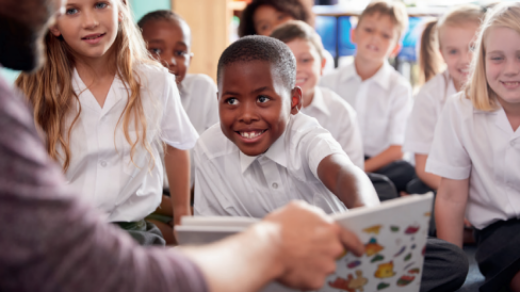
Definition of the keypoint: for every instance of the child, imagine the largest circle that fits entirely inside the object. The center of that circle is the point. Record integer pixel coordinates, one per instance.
(378, 93)
(263, 16)
(264, 154)
(168, 39)
(476, 152)
(455, 33)
(100, 102)
(331, 111)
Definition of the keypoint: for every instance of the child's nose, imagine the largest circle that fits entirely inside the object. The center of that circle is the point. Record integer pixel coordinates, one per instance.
(89, 19)
(248, 114)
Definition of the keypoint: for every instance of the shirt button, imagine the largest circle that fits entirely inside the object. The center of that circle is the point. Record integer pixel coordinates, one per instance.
(103, 163)
(275, 186)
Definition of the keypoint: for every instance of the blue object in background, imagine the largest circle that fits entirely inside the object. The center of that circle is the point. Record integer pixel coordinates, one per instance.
(327, 28)
(141, 7)
(408, 52)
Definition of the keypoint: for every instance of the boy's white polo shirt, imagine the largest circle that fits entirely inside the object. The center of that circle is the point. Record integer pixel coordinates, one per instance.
(382, 103)
(100, 167)
(482, 146)
(230, 183)
(427, 108)
(339, 118)
(199, 99)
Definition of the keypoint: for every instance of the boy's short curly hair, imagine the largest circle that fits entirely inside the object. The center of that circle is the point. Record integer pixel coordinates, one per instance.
(396, 10)
(158, 15)
(294, 8)
(261, 48)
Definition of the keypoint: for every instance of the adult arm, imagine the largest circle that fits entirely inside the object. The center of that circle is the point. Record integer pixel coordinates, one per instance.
(432, 180)
(177, 163)
(347, 181)
(450, 205)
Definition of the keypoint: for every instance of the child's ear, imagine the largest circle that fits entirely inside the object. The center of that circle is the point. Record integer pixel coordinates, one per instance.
(323, 63)
(353, 35)
(296, 100)
(55, 31)
(396, 50)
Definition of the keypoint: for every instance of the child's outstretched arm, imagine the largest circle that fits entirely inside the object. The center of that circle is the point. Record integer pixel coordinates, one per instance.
(450, 205)
(177, 163)
(347, 181)
(391, 154)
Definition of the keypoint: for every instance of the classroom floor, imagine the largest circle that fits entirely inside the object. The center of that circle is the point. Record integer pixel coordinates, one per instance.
(474, 278)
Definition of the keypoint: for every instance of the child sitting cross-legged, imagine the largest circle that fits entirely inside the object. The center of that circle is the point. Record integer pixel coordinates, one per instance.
(264, 153)
(331, 111)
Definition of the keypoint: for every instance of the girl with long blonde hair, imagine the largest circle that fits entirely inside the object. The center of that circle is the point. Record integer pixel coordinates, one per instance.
(445, 43)
(476, 152)
(105, 107)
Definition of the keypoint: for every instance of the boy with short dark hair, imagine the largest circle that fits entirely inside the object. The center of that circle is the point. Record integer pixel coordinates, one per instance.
(379, 94)
(264, 154)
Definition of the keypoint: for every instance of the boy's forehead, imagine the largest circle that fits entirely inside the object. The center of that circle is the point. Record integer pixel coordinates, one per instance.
(170, 24)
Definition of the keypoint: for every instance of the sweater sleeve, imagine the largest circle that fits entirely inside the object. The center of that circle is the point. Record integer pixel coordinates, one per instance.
(51, 241)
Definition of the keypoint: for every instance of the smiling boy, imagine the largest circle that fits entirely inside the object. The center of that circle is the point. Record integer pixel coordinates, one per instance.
(378, 93)
(264, 154)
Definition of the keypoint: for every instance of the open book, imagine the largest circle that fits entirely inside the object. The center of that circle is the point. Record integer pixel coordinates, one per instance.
(394, 234)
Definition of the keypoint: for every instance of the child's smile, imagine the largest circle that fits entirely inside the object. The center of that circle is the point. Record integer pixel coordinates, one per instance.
(254, 105)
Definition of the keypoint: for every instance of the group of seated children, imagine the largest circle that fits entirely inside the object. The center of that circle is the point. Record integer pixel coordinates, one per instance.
(112, 117)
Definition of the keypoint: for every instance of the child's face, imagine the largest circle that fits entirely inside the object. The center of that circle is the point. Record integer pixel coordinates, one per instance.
(266, 19)
(455, 47)
(255, 105)
(89, 27)
(376, 37)
(169, 42)
(503, 64)
(309, 66)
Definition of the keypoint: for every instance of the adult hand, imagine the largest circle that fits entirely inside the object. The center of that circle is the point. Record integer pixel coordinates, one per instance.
(309, 242)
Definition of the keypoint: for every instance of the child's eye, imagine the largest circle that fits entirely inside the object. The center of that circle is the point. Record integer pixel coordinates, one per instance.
(100, 5)
(155, 51)
(452, 52)
(263, 99)
(71, 11)
(386, 36)
(231, 101)
(180, 53)
(368, 29)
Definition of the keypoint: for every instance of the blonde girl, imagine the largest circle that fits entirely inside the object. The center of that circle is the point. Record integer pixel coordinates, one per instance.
(445, 43)
(476, 152)
(100, 101)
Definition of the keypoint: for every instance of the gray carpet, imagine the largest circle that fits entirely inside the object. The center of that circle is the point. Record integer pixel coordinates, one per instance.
(475, 278)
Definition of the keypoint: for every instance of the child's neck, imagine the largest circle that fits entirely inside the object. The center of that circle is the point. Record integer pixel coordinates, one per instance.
(307, 99)
(512, 113)
(98, 75)
(366, 68)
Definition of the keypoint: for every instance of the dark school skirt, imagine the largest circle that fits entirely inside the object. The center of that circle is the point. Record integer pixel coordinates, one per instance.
(498, 253)
(144, 232)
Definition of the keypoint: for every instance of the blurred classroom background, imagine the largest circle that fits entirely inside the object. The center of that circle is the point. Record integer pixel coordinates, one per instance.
(214, 26)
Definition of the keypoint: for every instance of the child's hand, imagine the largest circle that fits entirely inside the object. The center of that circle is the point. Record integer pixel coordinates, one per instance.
(309, 243)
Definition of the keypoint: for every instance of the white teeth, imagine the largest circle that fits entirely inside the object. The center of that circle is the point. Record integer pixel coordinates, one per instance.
(300, 80)
(511, 83)
(250, 135)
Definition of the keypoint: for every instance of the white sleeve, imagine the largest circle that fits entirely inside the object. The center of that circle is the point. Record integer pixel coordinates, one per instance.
(422, 122)
(448, 157)
(319, 144)
(400, 111)
(176, 128)
(350, 139)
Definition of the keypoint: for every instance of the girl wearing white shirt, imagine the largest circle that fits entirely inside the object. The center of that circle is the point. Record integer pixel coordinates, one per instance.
(100, 101)
(476, 152)
(451, 36)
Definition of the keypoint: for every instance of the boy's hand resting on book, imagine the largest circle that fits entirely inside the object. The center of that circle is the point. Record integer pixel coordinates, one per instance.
(297, 245)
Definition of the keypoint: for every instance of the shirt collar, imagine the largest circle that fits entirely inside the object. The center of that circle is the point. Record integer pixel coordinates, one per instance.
(318, 102)
(276, 153)
(382, 76)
